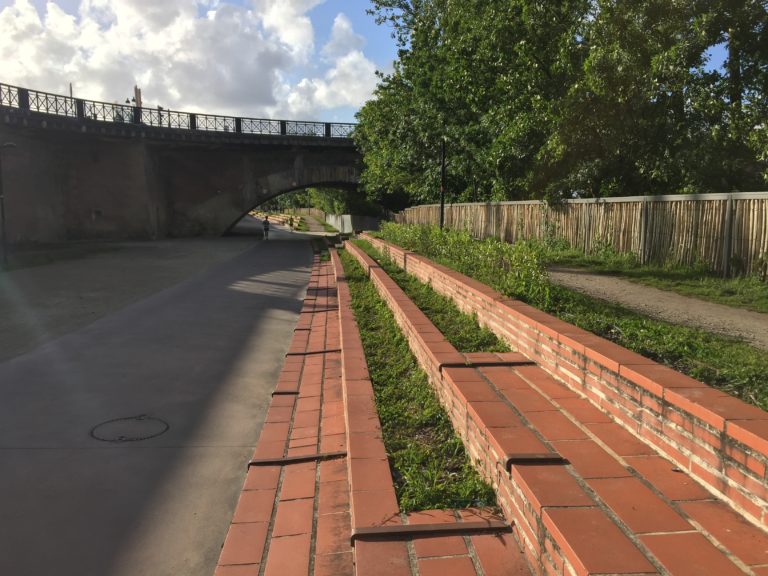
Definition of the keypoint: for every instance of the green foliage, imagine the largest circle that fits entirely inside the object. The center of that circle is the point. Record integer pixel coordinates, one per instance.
(429, 464)
(514, 269)
(539, 99)
(460, 329)
(329, 200)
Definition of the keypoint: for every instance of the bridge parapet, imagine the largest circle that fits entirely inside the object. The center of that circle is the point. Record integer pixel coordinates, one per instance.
(26, 99)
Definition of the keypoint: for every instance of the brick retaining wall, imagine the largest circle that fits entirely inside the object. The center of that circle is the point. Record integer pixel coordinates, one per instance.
(716, 438)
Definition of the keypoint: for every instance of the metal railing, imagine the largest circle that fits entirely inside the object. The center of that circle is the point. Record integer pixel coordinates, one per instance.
(58, 105)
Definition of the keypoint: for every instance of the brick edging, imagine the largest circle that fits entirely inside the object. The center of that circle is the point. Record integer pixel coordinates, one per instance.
(718, 439)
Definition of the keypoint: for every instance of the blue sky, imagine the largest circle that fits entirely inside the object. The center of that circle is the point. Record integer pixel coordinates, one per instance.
(302, 59)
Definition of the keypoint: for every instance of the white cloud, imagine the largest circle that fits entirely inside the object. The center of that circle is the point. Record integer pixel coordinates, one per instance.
(343, 38)
(204, 55)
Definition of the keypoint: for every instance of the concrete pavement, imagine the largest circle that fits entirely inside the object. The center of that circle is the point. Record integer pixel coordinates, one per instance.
(201, 356)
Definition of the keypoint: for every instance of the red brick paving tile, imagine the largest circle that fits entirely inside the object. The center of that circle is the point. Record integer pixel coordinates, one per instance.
(382, 559)
(304, 432)
(306, 419)
(638, 507)
(577, 532)
(301, 442)
(366, 446)
(620, 440)
(547, 485)
(431, 517)
(370, 474)
(447, 567)
(520, 440)
(583, 411)
(499, 555)
(335, 564)
(269, 450)
(333, 533)
(655, 377)
(244, 543)
(675, 485)
(333, 497)
(293, 517)
(493, 414)
(237, 570)
(298, 481)
(744, 540)
(375, 508)
(555, 426)
(288, 556)
(477, 392)
(333, 443)
(610, 355)
(274, 432)
(529, 401)
(262, 478)
(254, 506)
(690, 400)
(590, 460)
(429, 546)
(689, 554)
(456, 375)
(279, 414)
(308, 404)
(333, 470)
(753, 433)
(505, 378)
(302, 451)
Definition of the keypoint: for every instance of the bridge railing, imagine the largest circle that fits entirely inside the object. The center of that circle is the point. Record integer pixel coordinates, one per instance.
(58, 105)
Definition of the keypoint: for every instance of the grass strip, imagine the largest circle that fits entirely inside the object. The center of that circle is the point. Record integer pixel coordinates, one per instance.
(724, 363)
(429, 464)
(461, 330)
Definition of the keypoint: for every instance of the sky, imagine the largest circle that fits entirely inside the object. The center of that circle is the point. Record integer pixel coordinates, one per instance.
(292, 59)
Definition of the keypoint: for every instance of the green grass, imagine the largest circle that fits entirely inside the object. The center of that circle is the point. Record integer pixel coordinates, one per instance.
(461, 330)
(301, 225)
(430, 466)
(724, 363)
(747, 292)
(327, 227)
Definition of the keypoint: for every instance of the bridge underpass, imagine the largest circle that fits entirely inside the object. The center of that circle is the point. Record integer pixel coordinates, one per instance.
(80, 170)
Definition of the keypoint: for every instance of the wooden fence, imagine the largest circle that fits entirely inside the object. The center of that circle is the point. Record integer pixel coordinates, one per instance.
(726, 232)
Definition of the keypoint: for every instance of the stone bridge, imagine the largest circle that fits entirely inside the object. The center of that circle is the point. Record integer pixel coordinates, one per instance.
(82, 169)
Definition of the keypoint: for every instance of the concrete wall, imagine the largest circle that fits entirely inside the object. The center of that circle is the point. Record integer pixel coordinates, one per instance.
(348, 223)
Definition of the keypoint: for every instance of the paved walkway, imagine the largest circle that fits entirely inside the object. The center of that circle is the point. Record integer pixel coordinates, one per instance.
(201, 356)
(668, 306)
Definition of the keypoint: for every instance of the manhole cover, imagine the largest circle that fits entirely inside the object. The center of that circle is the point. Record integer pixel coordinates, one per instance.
(130, 429)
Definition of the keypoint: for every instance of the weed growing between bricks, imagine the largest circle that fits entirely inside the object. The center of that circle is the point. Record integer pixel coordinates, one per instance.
(461, 330)
(429, 464)
(732, 366)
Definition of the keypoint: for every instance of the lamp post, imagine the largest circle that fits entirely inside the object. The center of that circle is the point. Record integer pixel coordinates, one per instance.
(3, 236)
(442, 182)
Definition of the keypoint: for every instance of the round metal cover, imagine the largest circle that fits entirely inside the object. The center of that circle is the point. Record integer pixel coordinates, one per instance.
(130, 429)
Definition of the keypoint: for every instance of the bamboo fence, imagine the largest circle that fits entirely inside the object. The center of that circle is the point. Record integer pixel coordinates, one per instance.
(728, 233)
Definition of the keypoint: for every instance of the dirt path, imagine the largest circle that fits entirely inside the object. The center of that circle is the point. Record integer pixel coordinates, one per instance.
(668, 306)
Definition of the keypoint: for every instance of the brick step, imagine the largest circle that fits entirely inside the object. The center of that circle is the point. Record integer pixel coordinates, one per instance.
(585, 495)
(318, 496)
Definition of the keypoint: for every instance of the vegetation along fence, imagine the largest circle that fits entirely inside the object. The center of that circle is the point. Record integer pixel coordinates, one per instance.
(726, 232)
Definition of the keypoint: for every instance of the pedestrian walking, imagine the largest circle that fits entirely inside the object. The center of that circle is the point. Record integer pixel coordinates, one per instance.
(290, 223)
(266, 227)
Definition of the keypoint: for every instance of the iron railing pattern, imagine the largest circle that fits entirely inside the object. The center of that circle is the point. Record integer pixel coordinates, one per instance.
(58, 105)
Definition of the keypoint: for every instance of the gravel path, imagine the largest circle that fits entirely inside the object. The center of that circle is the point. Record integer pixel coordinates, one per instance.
(749, 326)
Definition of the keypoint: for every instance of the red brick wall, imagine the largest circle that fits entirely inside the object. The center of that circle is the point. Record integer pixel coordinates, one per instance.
(718, 439)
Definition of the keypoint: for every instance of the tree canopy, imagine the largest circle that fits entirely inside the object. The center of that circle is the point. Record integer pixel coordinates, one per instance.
(542, 99)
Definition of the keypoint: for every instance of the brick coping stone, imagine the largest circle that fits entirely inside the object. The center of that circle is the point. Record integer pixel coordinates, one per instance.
(608, 500)
(319, 473)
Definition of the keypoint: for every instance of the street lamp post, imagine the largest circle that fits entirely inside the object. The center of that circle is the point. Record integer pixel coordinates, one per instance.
(442, 182)
(3, 235)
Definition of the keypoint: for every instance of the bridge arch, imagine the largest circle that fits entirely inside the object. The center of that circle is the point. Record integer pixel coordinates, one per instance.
(75, 177)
